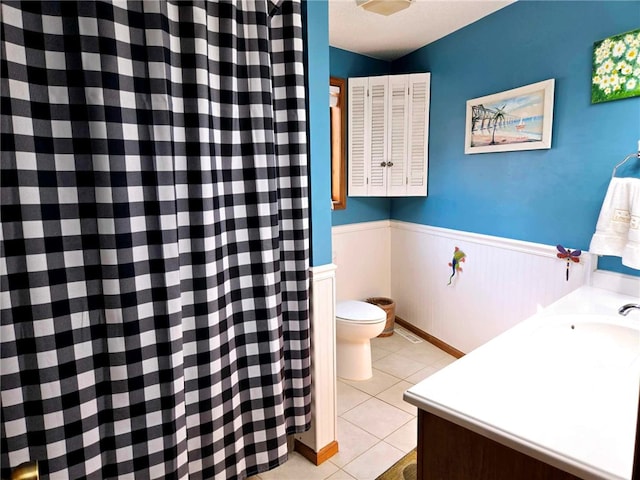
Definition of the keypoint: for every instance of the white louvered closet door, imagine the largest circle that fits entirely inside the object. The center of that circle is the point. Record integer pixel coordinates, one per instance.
(418, 134)
(397, 135)
(358, 142)
(378, 88)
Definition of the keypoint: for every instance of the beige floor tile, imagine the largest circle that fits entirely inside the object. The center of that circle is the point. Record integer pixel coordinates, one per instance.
(391, 344)
(428, 346)
(446, 360)
(406, 437)
(298, 468)
(352, 442)
(386, 425)
(424, 353)
(341, 475)
(378, 353)
(376, 384)
(398, 366)
(393, 396)
(255, 477)
(377, 417)
(349, 397)
(374, 461)
(421, 374)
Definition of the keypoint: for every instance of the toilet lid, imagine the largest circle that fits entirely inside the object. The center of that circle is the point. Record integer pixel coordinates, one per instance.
(361, 312)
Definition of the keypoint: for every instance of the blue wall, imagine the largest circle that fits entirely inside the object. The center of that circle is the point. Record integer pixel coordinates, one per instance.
(317, 64)
(546, 196)
(346, 64)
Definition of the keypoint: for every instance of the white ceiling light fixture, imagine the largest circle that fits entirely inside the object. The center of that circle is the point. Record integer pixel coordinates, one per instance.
(384, 7)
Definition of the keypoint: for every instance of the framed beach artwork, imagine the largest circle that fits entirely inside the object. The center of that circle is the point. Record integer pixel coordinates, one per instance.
(616, 67)
(517, 119)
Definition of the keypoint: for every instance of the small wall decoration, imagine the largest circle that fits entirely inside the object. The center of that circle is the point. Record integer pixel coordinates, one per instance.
(518, 119)
(569, 255)
(458, 257)
(616, 67)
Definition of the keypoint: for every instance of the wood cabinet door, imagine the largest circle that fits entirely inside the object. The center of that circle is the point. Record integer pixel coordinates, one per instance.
(377, 126)
(398, 112)
(358, 143)
(418, 134)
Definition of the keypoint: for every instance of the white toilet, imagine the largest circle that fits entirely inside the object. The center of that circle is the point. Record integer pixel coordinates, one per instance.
(356, 324)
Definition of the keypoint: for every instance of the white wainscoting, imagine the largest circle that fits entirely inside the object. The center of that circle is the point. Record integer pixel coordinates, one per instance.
(503, 281)
(362, 253)
(323, 432)
(616, 282)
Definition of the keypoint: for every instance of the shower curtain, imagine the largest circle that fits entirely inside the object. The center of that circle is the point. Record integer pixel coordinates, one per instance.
(154, 214)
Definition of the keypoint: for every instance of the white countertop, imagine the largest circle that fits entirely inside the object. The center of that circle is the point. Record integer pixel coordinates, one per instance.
(570, 404)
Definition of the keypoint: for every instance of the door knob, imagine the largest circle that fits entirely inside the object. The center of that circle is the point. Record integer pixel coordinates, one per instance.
(383, 164)
(26, 471)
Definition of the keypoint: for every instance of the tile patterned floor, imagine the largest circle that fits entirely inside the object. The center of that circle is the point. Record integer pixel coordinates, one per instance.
(375, 426)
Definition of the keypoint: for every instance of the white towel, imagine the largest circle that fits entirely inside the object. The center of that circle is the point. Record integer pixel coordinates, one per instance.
(631, 252)
(617, 230)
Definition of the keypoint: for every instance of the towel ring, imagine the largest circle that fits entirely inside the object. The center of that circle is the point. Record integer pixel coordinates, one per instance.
(636, 155)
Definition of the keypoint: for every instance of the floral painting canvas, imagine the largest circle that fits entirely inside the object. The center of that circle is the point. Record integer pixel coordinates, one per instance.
(616, 67)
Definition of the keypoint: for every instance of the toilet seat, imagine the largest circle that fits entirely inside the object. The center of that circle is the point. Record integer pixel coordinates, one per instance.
(357, 312)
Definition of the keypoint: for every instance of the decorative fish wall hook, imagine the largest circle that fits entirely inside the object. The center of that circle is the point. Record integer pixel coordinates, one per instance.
(569, 255)
(458, 257)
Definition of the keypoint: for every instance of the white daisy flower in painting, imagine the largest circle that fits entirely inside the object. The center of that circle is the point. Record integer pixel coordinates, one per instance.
(614, 80)
(600, 70)
(604, 82)
(624, 68)
(607, 66)
(618, 49)
(616, 88)
(597, 80)
(632, 54)
(631, 84)
(632, 40)
(636, 73)
(602, 52)
(607, 90)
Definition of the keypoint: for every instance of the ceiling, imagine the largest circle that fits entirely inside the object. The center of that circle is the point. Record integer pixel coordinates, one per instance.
(354, 29)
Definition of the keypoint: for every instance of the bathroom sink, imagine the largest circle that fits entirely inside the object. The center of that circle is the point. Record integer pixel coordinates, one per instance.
(591, 340)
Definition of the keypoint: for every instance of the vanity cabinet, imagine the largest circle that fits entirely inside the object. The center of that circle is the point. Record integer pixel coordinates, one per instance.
(388, 135)
(448, 451)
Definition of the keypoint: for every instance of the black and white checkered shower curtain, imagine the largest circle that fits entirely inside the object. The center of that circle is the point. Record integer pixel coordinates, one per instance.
(154, 291)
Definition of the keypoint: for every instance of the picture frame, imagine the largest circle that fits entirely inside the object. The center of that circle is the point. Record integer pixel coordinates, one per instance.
(513, 120)
(615, 70)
